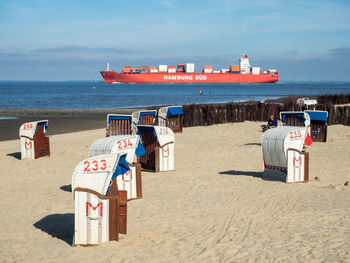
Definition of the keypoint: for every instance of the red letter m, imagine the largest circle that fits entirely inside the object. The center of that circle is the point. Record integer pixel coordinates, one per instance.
(165, 152)
(27, 145)
(88, 204)
(296, 160)
(127, 174)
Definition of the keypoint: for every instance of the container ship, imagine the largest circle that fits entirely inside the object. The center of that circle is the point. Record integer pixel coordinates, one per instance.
(185, 73)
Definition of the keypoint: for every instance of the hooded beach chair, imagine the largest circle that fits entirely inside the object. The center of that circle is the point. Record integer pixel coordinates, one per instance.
(159, 143)
(34, 143)
(284, 154)
(131, 145)
(172, 117)
(98, 203)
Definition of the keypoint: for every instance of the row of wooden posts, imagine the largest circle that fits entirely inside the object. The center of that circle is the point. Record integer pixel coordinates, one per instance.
(209, 114)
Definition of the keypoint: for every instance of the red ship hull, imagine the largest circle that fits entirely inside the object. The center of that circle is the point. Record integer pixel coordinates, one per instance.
(112, 76)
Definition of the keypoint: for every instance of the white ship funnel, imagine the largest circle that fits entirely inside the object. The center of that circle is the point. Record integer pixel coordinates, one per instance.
(107, 67)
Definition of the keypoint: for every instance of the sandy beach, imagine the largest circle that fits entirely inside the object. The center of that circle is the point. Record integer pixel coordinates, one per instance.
(213, 208)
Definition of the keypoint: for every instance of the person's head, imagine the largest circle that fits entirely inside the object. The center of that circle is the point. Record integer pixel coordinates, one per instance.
(272, 117)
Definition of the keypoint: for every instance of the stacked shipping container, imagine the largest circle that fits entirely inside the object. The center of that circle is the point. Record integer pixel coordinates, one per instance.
(234, 69)
(180, 68)
(126, 69)
(135, 70)
(208, 69)
(153, 70)
(256, 70)
(189, 67)
(163, 68)
(171, 69)
(144, 69)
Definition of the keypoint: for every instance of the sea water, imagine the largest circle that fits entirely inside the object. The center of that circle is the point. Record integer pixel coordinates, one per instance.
(98, 95)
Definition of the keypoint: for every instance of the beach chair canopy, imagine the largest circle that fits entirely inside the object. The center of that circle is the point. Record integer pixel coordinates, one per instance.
(29, 129)
(111, 117)
(148, 112)
(120, 143)
(164, 135)
(175, 110)
(302, 115)
(317, 115)
(276, 142)
(170, 111)
(299, 114)
(96, 173)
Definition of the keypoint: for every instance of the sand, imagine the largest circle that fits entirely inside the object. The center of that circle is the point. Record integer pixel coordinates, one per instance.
(214, 208)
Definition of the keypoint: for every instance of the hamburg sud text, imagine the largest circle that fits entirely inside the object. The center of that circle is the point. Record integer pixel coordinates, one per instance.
(185, 77)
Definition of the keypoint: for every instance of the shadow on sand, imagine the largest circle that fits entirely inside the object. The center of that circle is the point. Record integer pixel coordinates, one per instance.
(67, 188)
(16, 155)
(60, 226)
(252, 143)
(246, 173)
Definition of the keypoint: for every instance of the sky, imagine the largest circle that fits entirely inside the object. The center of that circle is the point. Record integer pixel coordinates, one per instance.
(62, 40)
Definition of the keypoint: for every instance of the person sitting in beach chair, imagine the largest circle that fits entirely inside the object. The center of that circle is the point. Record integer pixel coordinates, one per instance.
(271, 123)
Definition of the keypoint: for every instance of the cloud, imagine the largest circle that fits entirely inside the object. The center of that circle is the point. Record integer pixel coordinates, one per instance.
(341, 51)
(68, 52)
(282, 16)
(291, 52)
(167, 3)
(74, 49)
(12, 54)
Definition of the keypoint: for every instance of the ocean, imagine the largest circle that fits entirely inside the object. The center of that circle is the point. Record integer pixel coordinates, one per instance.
(98, 95)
